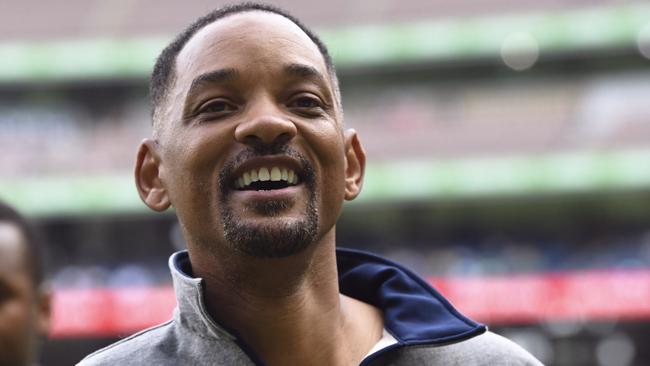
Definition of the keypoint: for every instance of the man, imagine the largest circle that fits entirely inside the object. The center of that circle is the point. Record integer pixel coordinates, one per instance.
(249, 148)
(24, 302)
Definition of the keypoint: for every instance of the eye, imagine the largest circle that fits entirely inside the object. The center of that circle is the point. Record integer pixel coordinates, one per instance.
(306, 103)
(6, 292)
(217, 106)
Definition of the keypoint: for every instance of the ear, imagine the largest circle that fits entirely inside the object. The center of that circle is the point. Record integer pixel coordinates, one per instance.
(355, 166)
(147, 177)
(43, 309)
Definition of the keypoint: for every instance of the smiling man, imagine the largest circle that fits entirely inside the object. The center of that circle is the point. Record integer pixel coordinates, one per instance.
(249, 148)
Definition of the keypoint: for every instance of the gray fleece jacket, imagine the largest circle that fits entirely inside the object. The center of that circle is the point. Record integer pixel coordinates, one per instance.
(421, 327)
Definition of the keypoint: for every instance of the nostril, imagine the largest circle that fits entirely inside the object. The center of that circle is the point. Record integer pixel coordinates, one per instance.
(267, 130)
(261, 144)
(252, 140)
(283, 138)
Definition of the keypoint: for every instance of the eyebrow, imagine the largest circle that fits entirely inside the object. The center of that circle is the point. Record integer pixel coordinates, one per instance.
(228, 74)
(304, 71)
(211, 77)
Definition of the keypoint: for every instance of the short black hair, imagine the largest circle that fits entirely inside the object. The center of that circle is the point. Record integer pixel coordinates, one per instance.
(163, 71)
(32, 241)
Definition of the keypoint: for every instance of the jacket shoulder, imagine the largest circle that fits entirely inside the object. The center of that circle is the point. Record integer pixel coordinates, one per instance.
(142, 348)
(489, 349)
(482, 350)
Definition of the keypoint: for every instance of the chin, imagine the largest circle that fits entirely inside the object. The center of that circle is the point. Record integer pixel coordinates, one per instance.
(278, 238)
(270, 208)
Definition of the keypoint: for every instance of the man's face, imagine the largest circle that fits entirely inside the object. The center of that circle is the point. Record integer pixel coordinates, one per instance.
(251, 150)
(22, 318)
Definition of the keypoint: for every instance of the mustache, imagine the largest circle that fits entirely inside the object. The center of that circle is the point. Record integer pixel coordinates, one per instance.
(306, 167)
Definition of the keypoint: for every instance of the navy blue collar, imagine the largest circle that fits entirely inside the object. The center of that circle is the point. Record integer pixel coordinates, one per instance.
(414, 312)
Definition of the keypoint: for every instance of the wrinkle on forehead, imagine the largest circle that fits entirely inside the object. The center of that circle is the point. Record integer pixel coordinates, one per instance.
(242, 33)
(220, 45)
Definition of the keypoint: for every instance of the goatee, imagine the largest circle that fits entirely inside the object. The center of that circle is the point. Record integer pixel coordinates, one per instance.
(282, 238)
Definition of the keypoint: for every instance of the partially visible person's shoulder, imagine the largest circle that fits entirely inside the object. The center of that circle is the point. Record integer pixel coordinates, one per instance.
(483, 350)
(142, 348)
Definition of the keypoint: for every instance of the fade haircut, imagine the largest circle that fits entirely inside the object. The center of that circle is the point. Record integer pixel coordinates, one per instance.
(163, 75)
(33, 258)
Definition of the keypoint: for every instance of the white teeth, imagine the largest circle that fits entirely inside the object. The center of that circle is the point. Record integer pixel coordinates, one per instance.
(273, 174)
(264, 175)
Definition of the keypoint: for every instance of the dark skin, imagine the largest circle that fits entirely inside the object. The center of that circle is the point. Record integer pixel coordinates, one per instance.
(24, 306)
(236, 90)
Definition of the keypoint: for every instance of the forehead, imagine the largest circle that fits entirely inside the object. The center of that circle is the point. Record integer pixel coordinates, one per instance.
(252, 41)
(12, 248)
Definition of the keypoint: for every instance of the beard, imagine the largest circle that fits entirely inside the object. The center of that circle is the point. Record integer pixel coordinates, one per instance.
(283, 237)
(271, 240)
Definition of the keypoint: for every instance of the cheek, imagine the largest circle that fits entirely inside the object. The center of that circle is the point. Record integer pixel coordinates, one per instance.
(191, 168)
(191, 164)
(15, 325)
(327, 145)
(193, 151)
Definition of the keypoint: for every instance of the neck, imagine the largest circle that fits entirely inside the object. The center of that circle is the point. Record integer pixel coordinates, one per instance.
(289, 310)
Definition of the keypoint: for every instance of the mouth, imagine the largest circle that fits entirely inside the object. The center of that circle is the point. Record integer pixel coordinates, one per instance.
(266, 178)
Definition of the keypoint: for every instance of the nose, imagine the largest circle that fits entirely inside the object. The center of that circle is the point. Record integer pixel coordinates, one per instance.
(267, 126)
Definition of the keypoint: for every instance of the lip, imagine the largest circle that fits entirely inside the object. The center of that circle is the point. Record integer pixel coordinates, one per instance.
(273, 194)
(281, 161)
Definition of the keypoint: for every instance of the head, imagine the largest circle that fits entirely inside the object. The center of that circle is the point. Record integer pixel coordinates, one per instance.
(24, 302)
(248, 142)
(163, 75)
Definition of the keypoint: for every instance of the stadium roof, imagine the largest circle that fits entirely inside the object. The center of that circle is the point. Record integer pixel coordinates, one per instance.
(45, 20)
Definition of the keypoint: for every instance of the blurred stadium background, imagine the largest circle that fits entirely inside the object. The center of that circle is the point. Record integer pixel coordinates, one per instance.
(508, 144)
